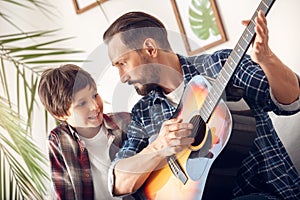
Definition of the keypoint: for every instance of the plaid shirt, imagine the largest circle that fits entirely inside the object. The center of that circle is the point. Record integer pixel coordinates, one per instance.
(268, 168)
(70, 165)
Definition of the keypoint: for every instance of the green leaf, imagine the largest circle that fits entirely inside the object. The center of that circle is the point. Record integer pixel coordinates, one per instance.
(202, 19)
(22, 175)
(38, 55)
(9, 38)
(52, 61)
(15, 144)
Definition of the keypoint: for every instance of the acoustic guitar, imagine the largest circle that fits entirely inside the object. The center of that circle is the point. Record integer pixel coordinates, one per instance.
(185, 174)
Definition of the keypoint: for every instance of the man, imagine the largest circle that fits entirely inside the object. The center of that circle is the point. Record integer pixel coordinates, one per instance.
(138, 47)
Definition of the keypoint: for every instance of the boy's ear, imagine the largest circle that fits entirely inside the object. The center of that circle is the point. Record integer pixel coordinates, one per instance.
(151, 47)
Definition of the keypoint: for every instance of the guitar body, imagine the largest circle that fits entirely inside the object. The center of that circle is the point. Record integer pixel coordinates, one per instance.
(195, 161)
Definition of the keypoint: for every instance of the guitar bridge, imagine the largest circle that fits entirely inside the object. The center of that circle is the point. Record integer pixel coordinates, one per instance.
(177, 169)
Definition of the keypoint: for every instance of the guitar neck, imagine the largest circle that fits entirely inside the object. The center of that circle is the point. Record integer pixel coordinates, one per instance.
(232, 63)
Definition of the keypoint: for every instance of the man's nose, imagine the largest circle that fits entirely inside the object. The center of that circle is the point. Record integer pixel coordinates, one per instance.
(124, 78)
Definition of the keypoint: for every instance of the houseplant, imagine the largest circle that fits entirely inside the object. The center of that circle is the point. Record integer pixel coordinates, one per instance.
(23, 168)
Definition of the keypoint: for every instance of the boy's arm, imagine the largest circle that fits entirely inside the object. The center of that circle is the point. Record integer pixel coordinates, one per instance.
(59, 175)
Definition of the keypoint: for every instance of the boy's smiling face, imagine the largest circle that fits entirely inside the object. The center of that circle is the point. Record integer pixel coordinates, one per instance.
(86, 110)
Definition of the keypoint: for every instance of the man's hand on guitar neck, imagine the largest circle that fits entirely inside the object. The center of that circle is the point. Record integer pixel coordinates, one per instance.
(283, 81)
(260, 48)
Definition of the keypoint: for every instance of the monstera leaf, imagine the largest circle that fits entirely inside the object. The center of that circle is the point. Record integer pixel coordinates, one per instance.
(202, 20)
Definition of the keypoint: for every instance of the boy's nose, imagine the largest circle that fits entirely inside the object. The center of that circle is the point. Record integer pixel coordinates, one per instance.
(93, 104)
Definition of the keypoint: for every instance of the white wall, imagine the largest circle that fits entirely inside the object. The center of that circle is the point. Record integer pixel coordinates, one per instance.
(89, 26)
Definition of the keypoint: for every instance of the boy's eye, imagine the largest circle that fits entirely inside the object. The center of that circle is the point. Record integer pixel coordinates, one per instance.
(95, 96)
(82, 103)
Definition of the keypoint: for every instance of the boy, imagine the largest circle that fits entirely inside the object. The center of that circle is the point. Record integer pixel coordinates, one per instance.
(82, 146)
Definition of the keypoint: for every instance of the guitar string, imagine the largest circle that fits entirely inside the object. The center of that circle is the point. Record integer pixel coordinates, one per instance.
(233, 60)
(173, 162)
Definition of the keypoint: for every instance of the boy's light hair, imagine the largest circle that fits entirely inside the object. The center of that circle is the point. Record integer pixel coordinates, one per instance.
(58, 86)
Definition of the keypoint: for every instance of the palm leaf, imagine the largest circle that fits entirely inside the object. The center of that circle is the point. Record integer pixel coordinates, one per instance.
(22, 165)
(23, 59)
(17, 149)
(202, 20)
(34, 51)
(8, 38)
(42, 6)
(4, 80)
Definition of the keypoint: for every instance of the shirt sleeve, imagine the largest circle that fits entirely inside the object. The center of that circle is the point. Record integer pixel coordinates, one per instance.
(257, 89)
(290, 107)
(111, 183)
(111, 178)
(60, 178)
(137, 139)
(250, 77)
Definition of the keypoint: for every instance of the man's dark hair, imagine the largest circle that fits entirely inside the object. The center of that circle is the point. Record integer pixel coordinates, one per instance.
(135, 27)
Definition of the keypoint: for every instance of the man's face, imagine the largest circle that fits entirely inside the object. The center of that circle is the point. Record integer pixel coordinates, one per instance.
(135, 66)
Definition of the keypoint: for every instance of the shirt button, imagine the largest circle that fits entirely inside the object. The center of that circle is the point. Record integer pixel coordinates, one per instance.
(87, 175)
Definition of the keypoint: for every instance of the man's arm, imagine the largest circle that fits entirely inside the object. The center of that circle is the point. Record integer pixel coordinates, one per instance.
(283, 81)
(131, 173)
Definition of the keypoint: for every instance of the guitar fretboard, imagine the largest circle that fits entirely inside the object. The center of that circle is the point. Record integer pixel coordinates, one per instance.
(232, 62)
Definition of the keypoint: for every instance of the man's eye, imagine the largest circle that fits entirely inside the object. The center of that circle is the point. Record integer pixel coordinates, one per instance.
(121, 64)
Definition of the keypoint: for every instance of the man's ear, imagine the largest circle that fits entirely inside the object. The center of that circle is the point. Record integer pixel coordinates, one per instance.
(151, 47)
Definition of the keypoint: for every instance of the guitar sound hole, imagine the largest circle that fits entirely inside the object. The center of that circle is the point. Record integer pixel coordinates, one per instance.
(199, 129)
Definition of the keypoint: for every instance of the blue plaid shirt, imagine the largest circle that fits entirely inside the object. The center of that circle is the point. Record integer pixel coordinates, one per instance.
(268, 168)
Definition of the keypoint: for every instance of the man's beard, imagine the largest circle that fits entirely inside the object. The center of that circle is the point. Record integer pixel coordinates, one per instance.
(146, 89)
